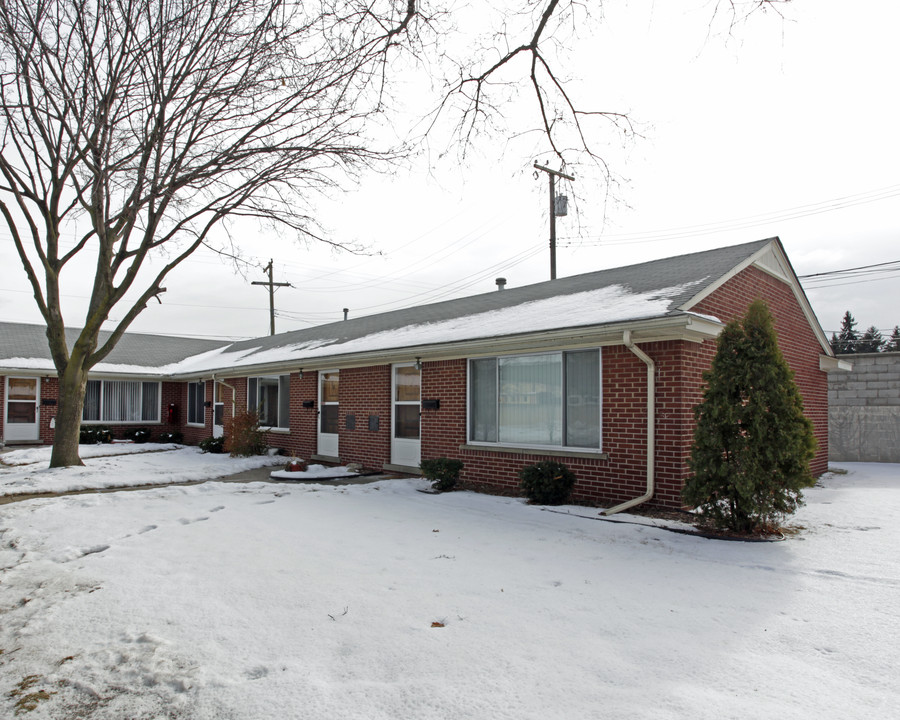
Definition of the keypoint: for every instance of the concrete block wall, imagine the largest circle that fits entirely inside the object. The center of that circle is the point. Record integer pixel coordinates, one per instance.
(864, 409)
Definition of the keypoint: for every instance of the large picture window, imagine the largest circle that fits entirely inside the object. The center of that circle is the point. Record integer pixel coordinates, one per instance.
(121, 401)
(550, 399)
(270, 396)
(196, 402)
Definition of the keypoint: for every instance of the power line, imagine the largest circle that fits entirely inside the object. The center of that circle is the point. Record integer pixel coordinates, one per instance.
(749, 221)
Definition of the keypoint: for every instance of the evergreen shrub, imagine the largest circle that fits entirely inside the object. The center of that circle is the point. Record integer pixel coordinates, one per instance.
(95, 434)
(443, 472)
(547, 482)
(214, 445)
(138, 435)
(752, 444)
(170, 436)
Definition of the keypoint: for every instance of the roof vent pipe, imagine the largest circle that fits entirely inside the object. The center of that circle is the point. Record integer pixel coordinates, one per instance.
(501, 283)
(346, 310)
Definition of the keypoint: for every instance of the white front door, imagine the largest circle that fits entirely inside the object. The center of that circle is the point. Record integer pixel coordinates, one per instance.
(23, 400)
(406, 444)
(329, 392)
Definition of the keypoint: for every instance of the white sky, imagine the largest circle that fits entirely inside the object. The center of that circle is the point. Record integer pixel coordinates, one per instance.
(788, 128)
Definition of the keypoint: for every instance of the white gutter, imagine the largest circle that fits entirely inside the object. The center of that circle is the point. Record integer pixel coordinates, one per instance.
(651, 426)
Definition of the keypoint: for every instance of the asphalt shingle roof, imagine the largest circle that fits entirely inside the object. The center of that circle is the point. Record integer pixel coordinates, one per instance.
(662, 285)
(18, 340)
(695, 271)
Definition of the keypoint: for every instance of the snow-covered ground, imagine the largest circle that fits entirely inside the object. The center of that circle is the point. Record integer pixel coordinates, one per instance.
(378, 602)
(118, 465)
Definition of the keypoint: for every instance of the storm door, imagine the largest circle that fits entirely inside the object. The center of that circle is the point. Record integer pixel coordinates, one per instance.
(329, 387)
(406, 443)
(22, 409)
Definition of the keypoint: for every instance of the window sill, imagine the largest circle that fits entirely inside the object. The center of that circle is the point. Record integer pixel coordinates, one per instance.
(195, 425)
(277, 431)
(121, 422)
(550, 452)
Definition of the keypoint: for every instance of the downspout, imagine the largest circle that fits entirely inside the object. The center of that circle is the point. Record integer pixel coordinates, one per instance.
(651, 426)
(233, 394)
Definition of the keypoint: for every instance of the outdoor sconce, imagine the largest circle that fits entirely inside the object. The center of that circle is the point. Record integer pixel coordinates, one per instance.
(418, 363)
(431, 404)
(208, 403)
(301, 373)
(309, 403)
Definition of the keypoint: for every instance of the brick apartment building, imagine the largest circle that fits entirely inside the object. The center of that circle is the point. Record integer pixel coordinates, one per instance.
(600, 371)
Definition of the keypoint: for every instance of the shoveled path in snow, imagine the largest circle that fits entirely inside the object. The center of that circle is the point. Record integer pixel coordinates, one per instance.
(245, 476)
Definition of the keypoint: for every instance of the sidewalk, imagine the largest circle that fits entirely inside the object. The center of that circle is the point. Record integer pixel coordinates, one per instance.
(246, 476)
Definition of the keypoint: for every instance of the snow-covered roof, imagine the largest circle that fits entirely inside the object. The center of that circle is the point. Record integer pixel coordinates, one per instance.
(24, 347)
(660, 289)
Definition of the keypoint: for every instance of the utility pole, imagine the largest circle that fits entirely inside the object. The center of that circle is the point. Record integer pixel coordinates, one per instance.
(272, 285)
(553, 174)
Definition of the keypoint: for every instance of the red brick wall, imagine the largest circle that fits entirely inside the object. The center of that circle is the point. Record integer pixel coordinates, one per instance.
(619, 477)
(365, 392)
(362, 392)
(444, 429)
(796, 339)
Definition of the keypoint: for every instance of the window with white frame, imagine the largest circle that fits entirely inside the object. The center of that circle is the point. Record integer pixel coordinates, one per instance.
(270, 397)
(196, 403)
(121, 401)
(545, 400)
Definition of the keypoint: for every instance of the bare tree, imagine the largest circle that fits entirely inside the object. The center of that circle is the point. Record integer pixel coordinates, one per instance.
(140, 125)
(137, 127)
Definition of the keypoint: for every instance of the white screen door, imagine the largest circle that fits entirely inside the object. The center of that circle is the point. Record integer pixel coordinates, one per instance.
(406, 443)
(329, 387)
(22, 409)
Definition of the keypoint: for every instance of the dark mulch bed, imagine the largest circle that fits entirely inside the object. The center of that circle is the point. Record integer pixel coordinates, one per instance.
(701, 527)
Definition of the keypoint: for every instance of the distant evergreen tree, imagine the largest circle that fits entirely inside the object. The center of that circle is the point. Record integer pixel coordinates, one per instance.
(835, 344)
(848, 338)
(752, 443)
(871, 341)
(893, 343)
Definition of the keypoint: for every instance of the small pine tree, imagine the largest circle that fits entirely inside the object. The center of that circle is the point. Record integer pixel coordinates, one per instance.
(848, 337)
(871, 341)
(752, 443)
(893, 344)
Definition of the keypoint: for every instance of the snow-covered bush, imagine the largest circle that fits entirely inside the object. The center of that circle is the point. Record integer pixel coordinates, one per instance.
(547, 482)
(443, 472)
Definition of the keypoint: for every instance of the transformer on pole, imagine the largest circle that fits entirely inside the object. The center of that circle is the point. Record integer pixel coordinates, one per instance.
(559, 207)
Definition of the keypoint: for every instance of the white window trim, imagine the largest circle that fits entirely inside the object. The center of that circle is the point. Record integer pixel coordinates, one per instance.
(188, 423)
(101, 421)
(277, 429)
(557, 450)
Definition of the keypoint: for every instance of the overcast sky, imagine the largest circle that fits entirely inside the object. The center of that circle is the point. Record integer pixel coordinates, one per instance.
(788, 128)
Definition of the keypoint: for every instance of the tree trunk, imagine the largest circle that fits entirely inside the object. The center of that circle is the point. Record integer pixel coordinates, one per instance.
(72, 386)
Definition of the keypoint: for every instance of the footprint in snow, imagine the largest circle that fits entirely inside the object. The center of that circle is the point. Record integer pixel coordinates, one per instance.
(94, 550)
(217, 508)
(188, 521)
(256, 673)
(146, 529)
